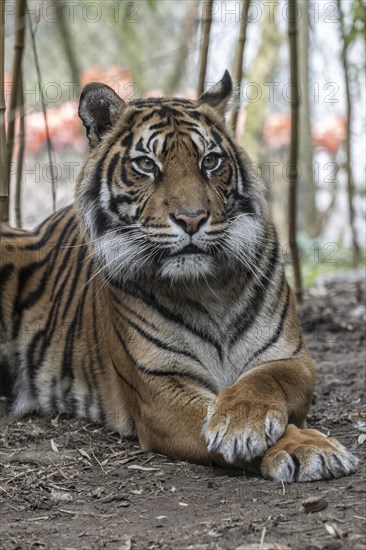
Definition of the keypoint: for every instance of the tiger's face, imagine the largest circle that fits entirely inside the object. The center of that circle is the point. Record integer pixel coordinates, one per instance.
(165, 191)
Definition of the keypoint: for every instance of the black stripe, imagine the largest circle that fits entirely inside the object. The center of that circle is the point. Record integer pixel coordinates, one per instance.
(54, 222)
(158, 342)
(58, 269)
(57, 217)
(121, 199)
(77, 268)
(217, 137)
(171, 373)
(127, 141)
(53, 399)
(298, 347)
(125, 381)
(276, 334)
(33, 351)
(87, 400)
(5, 274)
(195, 115)
(82, 299)
(150, 300)
(24, 274)
(164, 236)
(167, 141)
(67, 368)
(99, 365)
(151, 137)
(42, 340)
(102, 221)
(197, 379)
(111, 168)
(139, 146)
(244, 320)
(215, 231)
(124, 175)
(141, 208)
(94, 186)
(189, 125)
(156, 225)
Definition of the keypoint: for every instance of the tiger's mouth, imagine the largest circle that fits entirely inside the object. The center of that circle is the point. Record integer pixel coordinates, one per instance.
(189, 263)
(189, 249)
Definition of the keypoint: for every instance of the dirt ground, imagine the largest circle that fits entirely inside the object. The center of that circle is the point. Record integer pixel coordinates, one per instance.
(66, 484)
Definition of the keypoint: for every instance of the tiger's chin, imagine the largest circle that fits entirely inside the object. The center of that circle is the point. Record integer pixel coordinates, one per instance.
(175, 269)
(187, 267)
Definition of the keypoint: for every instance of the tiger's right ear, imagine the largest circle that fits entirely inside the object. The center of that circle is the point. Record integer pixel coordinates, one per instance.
(98, 109)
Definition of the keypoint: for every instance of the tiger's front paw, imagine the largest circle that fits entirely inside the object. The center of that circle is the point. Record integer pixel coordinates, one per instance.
(241, 431)
(307, 455)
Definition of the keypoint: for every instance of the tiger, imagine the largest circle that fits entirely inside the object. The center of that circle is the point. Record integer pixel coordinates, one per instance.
(157, 304)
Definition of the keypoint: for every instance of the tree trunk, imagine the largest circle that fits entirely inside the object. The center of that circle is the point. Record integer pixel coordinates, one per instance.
(206, 27)
(20, 25)
(262, 72)
(187, 34)
(18, 183)
(4, 183)
(293, 162)
(309, 219)
(349, 171)
(68, 45)
(238, 62)
(44, 111)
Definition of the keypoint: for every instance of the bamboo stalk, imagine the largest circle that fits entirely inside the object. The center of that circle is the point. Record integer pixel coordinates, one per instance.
(293, 171)
(348, 164)
(238, 62)
(44, 110)
(206, 27)
(186, 36)
(21, 6)
(18, 185)
(68, 43)
(4, 187)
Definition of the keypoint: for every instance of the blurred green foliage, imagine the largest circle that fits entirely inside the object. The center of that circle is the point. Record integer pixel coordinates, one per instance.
(320, 257)
(357, 22)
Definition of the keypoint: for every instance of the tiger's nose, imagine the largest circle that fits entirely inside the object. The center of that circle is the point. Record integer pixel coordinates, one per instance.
(190, 221)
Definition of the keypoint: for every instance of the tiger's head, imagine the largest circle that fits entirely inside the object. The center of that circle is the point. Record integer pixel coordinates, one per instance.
(165, 190)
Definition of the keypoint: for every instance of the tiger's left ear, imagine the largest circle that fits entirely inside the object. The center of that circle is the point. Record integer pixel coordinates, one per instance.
(99, 108)
(218, 98)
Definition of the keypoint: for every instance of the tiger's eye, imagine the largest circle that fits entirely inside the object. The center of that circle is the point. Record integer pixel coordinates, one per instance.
(146, 164)
(210, 162)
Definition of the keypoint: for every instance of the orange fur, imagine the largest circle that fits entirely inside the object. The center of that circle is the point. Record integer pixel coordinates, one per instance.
(158, 304)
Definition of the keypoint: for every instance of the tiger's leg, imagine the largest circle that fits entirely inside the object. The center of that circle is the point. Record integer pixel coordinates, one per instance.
(306, 455)
(169, 419)
(253, 414)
